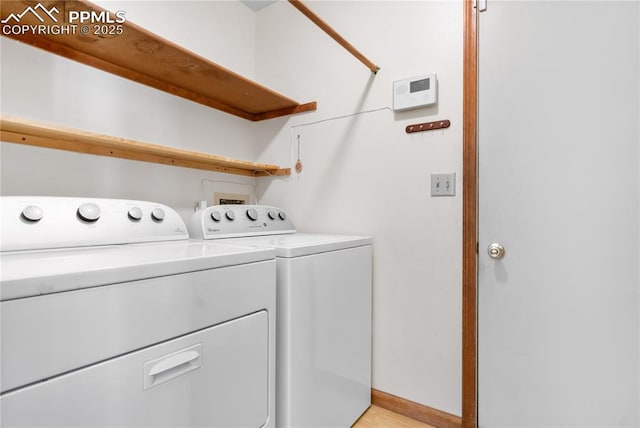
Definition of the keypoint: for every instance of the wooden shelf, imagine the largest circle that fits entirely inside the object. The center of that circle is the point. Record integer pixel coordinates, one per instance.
(146, 58)
(21, 131)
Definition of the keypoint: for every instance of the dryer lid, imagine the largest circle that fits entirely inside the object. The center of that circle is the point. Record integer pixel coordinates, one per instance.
(32, 273)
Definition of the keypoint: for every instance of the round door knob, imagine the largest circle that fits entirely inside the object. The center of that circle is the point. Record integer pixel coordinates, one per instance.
(89, 212)
(230, 215)
(215, 216)
(252, 214)
(157, 214)
(495, 250)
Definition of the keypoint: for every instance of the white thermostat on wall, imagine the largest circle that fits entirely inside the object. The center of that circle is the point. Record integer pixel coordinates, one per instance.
(414, 92)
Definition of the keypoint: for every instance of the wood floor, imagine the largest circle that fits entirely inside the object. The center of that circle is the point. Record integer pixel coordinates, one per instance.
(377, 417)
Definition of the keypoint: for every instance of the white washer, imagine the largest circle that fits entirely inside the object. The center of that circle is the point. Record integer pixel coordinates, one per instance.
(112, 317)
(323, 312)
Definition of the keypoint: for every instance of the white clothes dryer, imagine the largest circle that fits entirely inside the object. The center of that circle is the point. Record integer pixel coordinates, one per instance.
(111, 317)
(323, 312)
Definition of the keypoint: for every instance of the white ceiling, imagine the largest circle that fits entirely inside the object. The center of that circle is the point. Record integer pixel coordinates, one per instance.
(256, 5)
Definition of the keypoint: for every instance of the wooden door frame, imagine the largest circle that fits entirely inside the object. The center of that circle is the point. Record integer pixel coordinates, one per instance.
(469, 216)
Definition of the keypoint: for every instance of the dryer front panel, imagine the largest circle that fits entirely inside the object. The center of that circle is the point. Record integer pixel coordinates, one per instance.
(214, 378)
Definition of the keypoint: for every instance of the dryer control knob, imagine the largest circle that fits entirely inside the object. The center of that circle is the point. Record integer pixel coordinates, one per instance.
(252, 214)
(135, 214)
(230, 215)
(157, 214)
(89, 212)
(282, 215)
(215, 216)
(272, 215)
(32, 213)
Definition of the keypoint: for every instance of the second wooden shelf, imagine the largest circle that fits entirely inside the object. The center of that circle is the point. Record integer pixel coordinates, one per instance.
(25, 132)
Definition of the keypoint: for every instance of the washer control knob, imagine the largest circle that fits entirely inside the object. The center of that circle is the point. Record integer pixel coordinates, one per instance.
(135, 214)
(215, 216)
(157, 214)
(252, 214)
(272, 215)
(32, 213)
(282, 215)
(89, 212)
(230, 215)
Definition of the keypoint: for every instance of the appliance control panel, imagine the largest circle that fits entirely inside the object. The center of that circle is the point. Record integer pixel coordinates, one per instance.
(234, 221)
(32, 223)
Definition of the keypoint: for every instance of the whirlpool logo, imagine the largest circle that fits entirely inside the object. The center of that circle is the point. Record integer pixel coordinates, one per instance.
(84, 22)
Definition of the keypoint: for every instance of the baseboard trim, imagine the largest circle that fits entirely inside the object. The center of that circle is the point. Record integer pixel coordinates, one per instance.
(413, 410)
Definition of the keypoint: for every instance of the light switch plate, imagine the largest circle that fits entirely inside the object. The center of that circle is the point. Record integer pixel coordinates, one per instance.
(443, 184)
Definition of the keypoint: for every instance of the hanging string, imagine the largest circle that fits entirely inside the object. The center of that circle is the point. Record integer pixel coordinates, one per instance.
(298, 161)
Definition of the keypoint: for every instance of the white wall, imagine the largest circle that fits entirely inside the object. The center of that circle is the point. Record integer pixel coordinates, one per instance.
(46, 88)
(363, 174)
(221, 31)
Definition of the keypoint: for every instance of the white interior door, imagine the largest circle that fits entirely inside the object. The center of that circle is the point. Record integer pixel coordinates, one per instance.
(558, 315)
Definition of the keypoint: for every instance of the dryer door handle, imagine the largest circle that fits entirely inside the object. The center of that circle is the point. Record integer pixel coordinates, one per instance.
(163, 369)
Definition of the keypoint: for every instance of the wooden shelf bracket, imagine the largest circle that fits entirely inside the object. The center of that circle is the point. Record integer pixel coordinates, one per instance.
(334, 34)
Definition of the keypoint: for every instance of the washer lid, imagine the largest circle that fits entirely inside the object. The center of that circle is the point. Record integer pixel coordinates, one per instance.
(32, 273)
(302, 244)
